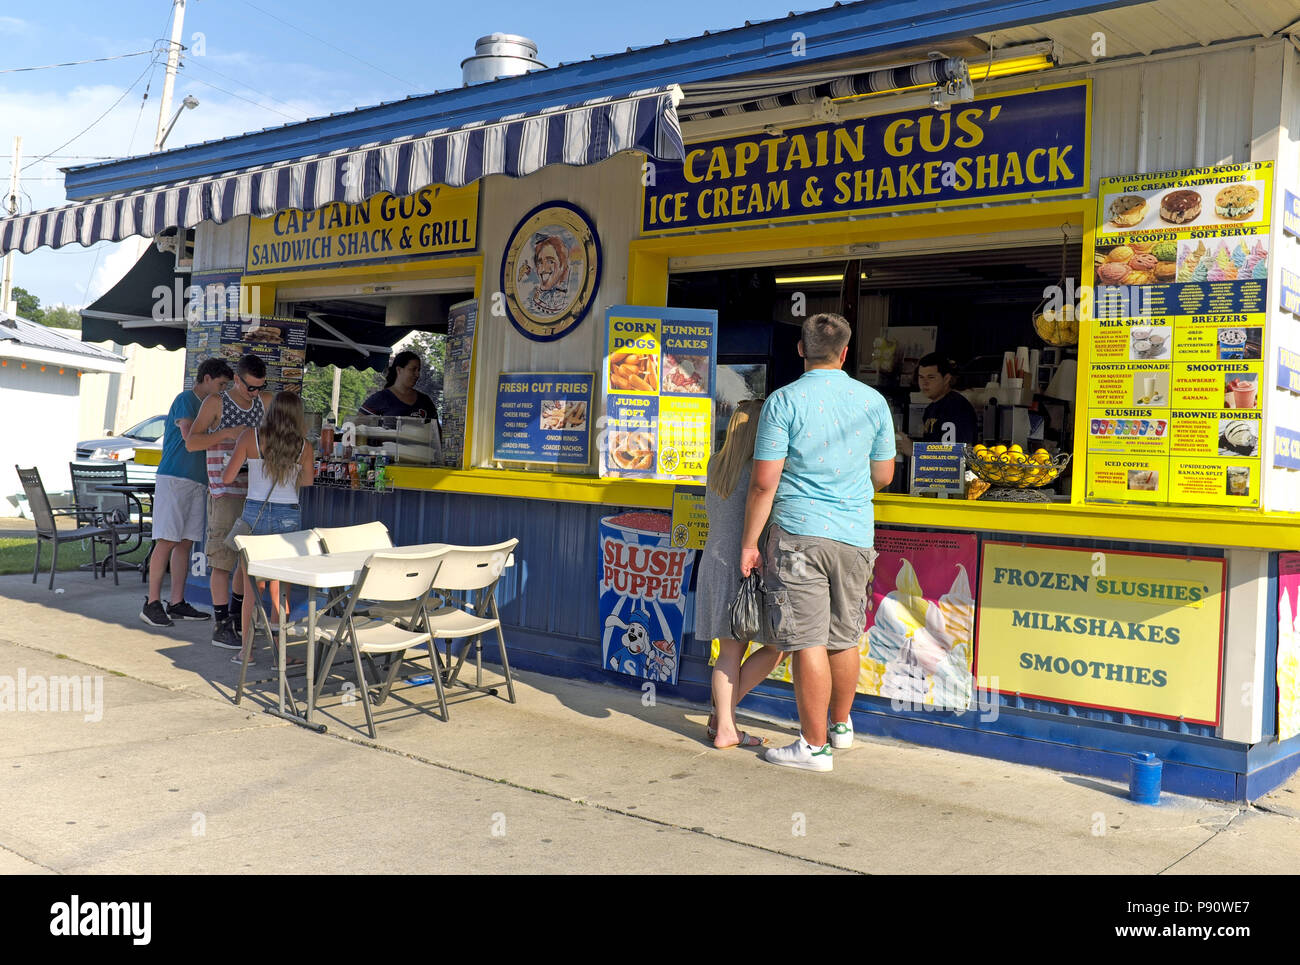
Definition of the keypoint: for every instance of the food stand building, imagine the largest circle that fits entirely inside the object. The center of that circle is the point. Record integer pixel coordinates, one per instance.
(624, 246)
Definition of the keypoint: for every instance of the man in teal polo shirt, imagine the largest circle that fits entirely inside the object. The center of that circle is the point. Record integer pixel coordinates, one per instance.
(180, 498)
(825, 445)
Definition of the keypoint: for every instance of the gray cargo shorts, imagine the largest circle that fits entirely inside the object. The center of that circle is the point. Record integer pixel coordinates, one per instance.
(816, 590)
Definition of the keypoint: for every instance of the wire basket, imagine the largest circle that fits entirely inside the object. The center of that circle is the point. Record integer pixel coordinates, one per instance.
(1006, 470)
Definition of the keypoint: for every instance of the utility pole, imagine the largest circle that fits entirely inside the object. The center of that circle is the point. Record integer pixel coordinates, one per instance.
(11, 209)
(173, 63)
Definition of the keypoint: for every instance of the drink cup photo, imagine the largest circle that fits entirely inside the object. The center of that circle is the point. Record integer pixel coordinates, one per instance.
(1238, 481)
(1241, 390)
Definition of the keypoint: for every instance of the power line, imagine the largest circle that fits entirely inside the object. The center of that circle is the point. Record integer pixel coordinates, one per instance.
(346, 53)
(96, 120)
(231, 93)
(194, 63)
(75, 63)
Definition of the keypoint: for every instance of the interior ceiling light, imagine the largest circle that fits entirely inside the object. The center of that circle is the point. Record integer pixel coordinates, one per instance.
(814, 279)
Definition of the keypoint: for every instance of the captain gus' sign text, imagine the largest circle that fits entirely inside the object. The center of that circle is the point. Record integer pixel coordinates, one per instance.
(1030, 144)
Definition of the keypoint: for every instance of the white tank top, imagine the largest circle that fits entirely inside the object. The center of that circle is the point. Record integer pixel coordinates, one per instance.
(259, 483)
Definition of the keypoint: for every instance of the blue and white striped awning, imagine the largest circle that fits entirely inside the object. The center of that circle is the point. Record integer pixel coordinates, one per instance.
(515, 145)
(703, 101)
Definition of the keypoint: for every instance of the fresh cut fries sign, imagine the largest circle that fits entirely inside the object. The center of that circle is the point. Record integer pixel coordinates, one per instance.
(659, 371)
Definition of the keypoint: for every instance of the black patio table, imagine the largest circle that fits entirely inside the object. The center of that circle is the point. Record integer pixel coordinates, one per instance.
(130, 489)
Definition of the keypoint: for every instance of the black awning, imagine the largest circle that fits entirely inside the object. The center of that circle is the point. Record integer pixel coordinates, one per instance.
(125, 314)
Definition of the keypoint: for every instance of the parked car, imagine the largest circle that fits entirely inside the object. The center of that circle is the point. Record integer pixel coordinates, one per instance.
(144, 435)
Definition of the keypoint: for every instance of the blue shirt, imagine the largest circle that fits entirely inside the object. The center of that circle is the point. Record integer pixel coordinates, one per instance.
(828, 428)
(176, 459)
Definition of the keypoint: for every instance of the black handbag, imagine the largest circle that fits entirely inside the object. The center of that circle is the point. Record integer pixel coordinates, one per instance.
(749, 608)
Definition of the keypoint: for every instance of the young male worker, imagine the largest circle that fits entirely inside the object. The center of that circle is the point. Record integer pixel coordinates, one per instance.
(221, 419)
(825, 445)
(949, 417)
(178, 500)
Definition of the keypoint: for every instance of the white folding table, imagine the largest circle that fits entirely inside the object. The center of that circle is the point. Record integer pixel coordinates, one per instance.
(331, 571)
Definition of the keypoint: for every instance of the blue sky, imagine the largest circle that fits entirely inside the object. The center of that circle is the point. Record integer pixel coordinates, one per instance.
(256, 64)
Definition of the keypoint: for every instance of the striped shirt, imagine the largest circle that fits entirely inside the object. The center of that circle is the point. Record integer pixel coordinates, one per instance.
(232, 416)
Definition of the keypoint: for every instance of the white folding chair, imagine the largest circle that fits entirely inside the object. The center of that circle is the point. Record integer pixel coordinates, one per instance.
(345, 539)
(370, 536)
(392, 579)
(253, 549)
(472, 570)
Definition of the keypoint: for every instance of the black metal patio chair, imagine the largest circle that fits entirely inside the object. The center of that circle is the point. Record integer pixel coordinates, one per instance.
(120, 513)
(47, 530)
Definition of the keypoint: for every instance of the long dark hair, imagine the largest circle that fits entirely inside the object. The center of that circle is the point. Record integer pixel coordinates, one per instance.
(400, 361)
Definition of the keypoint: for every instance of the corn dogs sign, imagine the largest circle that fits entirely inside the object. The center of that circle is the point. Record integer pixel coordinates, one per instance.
(658, 377)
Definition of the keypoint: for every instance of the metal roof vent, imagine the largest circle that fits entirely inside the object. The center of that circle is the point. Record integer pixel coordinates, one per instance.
(500, 55)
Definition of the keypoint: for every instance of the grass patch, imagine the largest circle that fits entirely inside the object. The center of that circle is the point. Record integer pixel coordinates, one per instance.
(18, 553)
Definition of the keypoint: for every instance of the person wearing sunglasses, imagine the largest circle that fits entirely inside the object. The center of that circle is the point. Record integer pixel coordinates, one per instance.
(221, 420)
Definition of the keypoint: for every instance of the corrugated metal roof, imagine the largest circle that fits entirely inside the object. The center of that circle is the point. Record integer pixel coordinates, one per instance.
(1155, 27)
(24, 332)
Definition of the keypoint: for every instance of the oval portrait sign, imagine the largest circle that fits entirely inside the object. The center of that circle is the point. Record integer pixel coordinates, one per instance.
(551, 270)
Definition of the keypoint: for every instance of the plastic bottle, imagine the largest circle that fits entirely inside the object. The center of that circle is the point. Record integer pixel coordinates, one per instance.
(381, 473)
(327, 436)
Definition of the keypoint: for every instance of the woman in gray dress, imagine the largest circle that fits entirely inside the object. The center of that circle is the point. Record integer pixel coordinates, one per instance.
(719, 579)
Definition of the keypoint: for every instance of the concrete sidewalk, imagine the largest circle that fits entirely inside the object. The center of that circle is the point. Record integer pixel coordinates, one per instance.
(575, 777)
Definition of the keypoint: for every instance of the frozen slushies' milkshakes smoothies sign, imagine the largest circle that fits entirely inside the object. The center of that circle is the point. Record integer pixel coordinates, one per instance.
(643, 584)
(1133, 632)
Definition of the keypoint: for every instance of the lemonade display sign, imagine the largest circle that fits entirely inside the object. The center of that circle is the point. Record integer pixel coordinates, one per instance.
(1175, 374)
(1140, 633)
(658, 376)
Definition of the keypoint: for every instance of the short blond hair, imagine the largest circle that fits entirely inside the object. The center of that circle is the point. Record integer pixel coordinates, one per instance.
(824, 337)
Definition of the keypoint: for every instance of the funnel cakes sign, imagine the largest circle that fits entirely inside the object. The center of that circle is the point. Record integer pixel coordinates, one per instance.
(550, 271)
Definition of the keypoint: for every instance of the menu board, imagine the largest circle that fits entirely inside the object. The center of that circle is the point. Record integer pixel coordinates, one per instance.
(543, 417)
(660, 370)
(211, 299)
(279, 342)
(461, 320)
(1176, 347)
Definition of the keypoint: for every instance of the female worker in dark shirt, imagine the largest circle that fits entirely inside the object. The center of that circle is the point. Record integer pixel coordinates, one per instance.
(398, 397)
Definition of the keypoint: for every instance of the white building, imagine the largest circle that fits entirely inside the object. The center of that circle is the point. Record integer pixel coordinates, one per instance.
(40, 399)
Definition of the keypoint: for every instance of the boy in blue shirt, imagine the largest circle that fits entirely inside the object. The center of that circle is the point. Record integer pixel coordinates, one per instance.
(825, 445)
(180, 498)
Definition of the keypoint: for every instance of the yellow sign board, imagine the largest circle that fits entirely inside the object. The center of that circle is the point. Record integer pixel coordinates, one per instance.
(1176, 375)
(690, 520)
(435, 220)
(1134, 632)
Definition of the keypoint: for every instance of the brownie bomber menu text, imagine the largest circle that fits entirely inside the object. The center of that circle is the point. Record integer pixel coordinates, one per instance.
(1176, 346)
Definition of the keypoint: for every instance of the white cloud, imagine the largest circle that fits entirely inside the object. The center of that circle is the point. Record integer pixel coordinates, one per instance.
(47, 118)
(12, 25)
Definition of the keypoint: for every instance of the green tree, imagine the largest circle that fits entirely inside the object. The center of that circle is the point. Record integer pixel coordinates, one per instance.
(354, 388)
(61, 316)
(29, 306)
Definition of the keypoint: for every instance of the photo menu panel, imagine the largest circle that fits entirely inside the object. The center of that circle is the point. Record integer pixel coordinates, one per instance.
(1175, 369)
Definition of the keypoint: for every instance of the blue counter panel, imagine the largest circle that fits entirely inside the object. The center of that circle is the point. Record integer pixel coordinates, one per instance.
(548, 604)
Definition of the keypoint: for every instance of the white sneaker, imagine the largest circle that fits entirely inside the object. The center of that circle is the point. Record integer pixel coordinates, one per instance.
(801, 754)
(841, 735)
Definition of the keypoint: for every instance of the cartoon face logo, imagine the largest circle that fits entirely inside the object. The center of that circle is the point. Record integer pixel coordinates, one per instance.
(636, 635)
